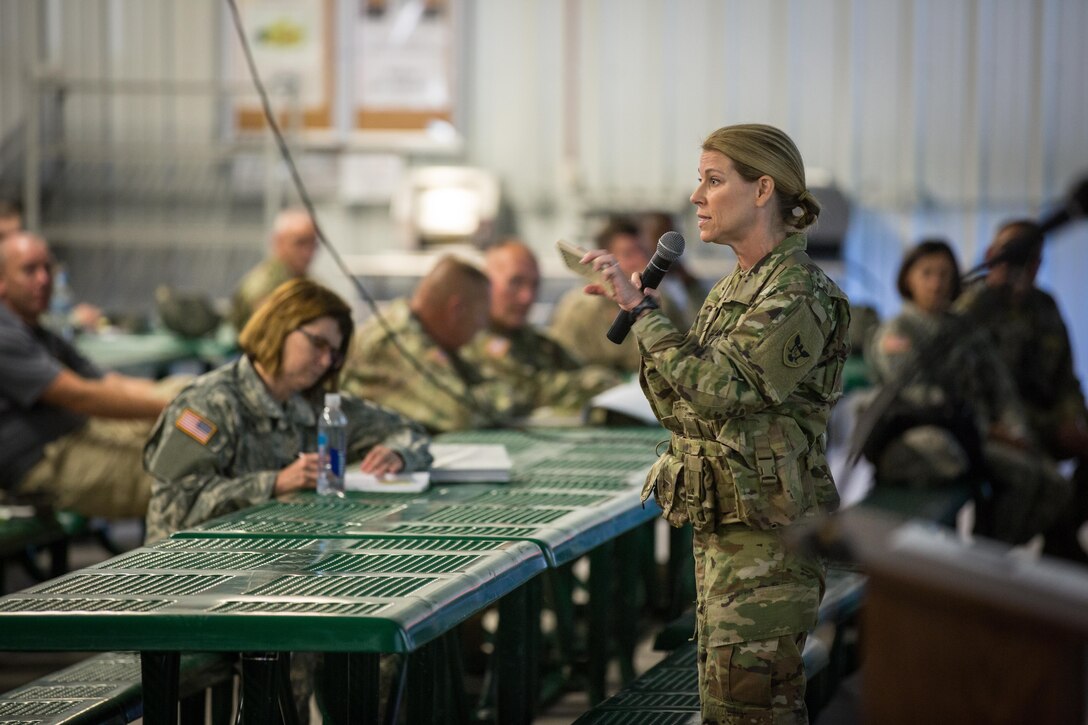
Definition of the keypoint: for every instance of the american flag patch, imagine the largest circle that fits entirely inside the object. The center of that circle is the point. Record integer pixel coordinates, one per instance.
(196, 426)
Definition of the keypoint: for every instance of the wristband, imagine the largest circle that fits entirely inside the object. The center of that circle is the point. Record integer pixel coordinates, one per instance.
(648, 303)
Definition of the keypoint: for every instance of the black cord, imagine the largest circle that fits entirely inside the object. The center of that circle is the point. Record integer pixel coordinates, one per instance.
(489, 415)
(468, 403)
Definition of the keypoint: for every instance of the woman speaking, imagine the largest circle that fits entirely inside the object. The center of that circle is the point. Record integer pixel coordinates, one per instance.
(746, 394)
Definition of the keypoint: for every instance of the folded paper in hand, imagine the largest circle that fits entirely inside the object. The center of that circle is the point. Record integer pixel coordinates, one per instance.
(470, 463)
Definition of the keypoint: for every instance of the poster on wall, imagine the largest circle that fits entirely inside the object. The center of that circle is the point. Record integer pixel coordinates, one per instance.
(292, 45)
(404, 64)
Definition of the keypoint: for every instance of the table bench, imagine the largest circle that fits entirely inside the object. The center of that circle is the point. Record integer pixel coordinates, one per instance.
(668, 693)
(21, 533)
(105, 689)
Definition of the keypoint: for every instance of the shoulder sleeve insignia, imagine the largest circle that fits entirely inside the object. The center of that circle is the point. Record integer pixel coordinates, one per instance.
(794, 354)
(196, 426)
(497, 347)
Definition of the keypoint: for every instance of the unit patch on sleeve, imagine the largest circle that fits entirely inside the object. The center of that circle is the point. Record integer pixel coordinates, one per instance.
(794, 354)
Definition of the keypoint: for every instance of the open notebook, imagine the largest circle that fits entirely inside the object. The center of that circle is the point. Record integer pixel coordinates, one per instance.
(453, 463)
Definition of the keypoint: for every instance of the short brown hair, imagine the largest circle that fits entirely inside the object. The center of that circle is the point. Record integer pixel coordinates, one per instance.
(289, 307)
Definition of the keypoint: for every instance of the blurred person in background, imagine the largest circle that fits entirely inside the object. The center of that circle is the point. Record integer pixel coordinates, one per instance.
(294, 244)
(961, 414)
(82, 316)
(439, 389)
(73, 435)
(513, 350)
(1027, 329)
(683, 290)
(11, 216)
(580, 322)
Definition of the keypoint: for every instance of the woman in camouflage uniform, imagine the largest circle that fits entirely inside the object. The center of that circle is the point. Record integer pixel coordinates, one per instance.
(746, 395)
(247, 432)
(964, 402)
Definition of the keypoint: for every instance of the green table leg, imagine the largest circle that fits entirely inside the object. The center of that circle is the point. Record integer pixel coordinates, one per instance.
(601, 562)
(350, 687)
(259, 705)
(517, 654)
(159, 671)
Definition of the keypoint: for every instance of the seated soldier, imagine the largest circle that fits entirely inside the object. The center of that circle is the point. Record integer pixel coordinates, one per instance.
(513, 350)
(961, 410)
(410, 360)
(73, 436)
(294, 243)
(1027, 329)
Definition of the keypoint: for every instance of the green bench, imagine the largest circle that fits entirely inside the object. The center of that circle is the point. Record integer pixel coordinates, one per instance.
(668, 693)
(828, 654)
(105, 690)
(20, 534)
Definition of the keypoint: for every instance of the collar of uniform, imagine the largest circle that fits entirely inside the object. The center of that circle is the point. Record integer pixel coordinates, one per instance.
(743, 286)
(255, 395)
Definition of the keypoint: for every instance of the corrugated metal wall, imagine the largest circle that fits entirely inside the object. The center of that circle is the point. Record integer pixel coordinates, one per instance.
(934, 116)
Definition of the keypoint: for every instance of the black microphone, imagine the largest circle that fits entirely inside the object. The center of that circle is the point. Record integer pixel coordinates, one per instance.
(669, 248)
(1075, 206)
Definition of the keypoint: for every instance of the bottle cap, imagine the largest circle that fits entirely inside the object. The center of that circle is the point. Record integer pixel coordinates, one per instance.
(332, 400)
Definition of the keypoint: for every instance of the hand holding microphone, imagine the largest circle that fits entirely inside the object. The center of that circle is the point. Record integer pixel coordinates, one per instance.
(669, 248)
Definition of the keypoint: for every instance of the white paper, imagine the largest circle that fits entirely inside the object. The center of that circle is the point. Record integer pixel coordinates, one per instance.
(470, 462)
(626, 398)
(413, 482)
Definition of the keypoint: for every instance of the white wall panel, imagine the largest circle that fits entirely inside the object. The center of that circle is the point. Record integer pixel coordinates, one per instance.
(937, 117)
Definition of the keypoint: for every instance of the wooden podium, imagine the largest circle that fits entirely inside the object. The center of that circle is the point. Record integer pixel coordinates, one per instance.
(967, 633)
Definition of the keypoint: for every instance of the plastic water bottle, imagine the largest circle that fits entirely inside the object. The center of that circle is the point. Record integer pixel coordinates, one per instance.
(60, 305)
(332, 430)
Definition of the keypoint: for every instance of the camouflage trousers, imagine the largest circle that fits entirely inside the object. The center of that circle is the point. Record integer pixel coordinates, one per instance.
(308, 672)
(97, 470)
(756, 602)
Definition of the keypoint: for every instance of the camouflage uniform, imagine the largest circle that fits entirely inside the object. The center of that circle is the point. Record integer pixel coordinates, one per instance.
(219, 446)
(747, 394)
(530, 360)
(254, 287)
(581, 321)
(1032, 340)
(1028, 490)
(377, 370)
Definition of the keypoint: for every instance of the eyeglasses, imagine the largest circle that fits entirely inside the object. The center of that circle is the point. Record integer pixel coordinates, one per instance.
(322, 345)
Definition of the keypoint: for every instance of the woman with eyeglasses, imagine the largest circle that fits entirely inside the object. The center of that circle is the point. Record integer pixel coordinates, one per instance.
(247, 432)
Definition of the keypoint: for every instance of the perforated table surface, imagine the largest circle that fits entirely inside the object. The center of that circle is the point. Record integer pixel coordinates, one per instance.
(571, 491)
(366, 574)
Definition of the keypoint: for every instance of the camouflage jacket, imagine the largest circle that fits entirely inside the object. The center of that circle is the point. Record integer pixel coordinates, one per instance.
(258, 283)
(1032, 340)
(580, 323)
(456, 396)
(219, 446)
(970, 370)
(747, 393)
(534, 363)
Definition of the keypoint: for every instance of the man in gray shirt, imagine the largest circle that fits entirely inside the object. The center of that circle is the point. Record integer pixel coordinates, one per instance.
(73, 436)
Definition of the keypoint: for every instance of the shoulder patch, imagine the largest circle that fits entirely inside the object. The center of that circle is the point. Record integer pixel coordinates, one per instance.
(497, 347)
(196, 426)
(794, 354)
